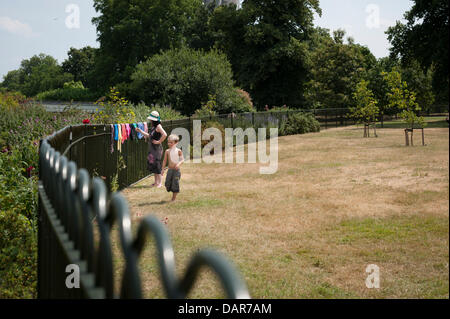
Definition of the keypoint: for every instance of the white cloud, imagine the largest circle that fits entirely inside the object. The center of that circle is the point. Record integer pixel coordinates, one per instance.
(16, 27)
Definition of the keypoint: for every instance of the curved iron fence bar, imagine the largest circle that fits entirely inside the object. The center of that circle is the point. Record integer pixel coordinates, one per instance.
(81, 139)
(118, 212)
(84, 210)
(104, 261)
(150, 225)
(228, 276)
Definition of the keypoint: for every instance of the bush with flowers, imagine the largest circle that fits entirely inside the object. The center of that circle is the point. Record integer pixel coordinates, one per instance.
(114, 109)
(22, 124)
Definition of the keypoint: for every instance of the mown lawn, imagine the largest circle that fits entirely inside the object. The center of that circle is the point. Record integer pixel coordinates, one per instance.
(338, 203)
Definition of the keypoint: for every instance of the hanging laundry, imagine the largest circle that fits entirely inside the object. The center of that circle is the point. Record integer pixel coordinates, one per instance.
(124, 132)
(112, 138)
(127, 126)
(141, 126)
(136, 133)
(116, 132)
(133, 133)
(119, 138)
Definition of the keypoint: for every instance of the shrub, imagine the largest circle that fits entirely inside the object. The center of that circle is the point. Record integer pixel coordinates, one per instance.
(18, 244)
(207, 109)
(11, 100)
(18, 256)
(72, 91)
(238, 102)
(17, 191)
(165, 112)
(185, 79)
(283, 108)
(115, 109)
(22, 124)
(299, 123)
(245, 96)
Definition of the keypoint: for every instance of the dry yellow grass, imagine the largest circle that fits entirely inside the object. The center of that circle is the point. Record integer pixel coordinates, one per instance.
(338, 203)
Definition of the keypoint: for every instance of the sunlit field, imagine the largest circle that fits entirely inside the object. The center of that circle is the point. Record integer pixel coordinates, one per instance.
(338, 203)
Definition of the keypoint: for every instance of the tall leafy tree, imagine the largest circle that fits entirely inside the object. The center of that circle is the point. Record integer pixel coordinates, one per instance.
(80, 63)
(337, 67)
(417, 79)
(129, 31)
(12, 80)
(403, 99)
(379, 86)
(266, 42)
(425, 38)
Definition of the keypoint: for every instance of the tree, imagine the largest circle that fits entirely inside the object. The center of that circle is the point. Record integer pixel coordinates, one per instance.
(419, 81)
(378, 85)
(336, 69)
(425, 38)
(12, 80)
(80, 63)
(185, 79)
(266, 42)
(131, 31)
(37, 74)
(366, 110)
(403, 99)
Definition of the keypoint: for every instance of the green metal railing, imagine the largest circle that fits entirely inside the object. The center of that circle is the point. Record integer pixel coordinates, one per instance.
(68, 201)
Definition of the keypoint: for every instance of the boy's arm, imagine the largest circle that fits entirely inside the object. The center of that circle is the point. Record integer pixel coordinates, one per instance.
(164, 162)
(180, 154)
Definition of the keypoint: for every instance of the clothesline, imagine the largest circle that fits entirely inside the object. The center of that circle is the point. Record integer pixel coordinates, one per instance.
(122, 132)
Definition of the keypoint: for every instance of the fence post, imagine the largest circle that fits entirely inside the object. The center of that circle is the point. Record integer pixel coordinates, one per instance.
(70, 143)
(326, 118)
(84, 146)
(336, 119)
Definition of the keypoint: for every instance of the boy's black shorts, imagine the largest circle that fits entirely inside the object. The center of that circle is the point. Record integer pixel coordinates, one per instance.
(173, 180)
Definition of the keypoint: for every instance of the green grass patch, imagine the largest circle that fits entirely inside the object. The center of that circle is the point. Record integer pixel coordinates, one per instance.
(200, 203)
(326, 290)
(393, 229)
(432, 122)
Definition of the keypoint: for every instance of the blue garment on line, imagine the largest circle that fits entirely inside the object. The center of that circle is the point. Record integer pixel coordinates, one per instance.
(141, 126)
(116, 132)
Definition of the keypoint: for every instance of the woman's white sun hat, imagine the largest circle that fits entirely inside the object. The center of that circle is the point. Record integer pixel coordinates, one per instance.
(154, 116)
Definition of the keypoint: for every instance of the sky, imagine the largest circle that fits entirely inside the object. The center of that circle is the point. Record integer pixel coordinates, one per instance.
(52, 27)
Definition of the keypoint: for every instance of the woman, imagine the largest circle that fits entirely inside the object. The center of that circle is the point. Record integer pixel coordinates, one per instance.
(157, 136)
